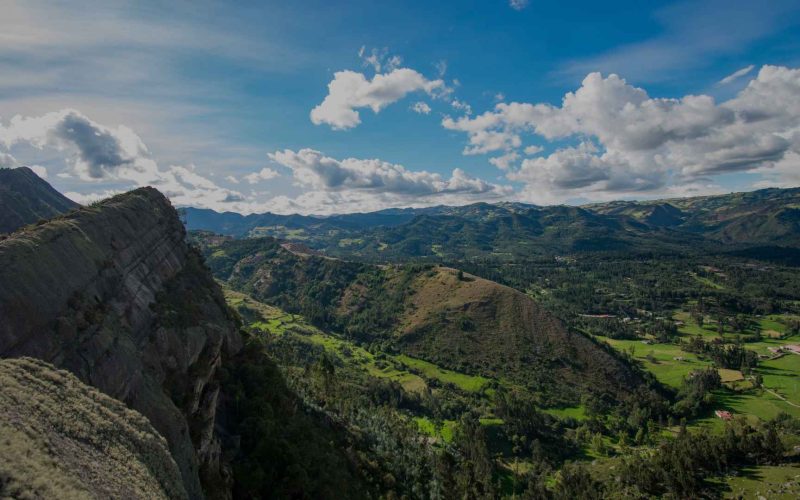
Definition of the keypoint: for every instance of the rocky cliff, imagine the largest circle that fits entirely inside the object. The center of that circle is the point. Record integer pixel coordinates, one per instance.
(25, 198)
(113, 294)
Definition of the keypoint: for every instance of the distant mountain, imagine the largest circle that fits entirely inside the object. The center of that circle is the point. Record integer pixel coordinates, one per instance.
(769, 217)
(766, 216)
(292, 226)
(26, 198)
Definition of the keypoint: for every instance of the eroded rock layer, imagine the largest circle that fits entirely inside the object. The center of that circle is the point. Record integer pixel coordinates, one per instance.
(113, 294)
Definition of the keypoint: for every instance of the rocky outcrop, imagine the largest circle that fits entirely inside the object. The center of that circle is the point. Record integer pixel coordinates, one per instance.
(64, 439)
(26, 198)
(113, 294)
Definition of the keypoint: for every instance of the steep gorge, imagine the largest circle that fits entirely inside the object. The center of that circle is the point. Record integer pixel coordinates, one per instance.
(113, 294)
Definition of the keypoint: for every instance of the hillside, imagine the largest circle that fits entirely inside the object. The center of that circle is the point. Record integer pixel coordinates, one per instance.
(64, 439)
(26, 198)
(458, 321)
(766, 216)
(113, 294)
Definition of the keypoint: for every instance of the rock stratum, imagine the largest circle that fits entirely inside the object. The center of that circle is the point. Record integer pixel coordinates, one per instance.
(113, 294)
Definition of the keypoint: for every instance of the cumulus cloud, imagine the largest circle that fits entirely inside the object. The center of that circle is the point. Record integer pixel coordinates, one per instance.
(506, 161)
(102, 154)
(99, 150)
(313, 169)
(736, 75)
(264, 174)
(350, 90)
(461, 106)
(518, 4)
(629, 141)
(421, 107)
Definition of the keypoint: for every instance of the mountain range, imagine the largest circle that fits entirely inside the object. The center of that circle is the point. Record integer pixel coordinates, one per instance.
(769, 217)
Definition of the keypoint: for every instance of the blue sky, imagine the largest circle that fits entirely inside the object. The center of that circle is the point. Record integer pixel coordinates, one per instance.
(212, 103)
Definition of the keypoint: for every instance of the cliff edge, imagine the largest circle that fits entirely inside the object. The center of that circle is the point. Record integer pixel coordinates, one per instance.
(113, 294)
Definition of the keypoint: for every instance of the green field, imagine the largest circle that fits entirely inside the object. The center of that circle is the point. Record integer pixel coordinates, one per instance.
(772, 482)
(427, 427)
(469, 383)
(659, 359)
(781, 376)
(575, 412)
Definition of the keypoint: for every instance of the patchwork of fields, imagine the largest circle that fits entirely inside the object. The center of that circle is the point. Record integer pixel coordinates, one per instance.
(780, 390)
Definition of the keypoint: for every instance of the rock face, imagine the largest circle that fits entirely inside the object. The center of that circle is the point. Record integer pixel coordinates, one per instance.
(25, 198)
(113, 294)
(64, 439)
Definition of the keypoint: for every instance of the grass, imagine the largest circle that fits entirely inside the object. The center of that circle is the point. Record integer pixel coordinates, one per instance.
(400, 368)
(773, 482)
(64, 439)
(574, 412)
(782, 376)
(427, 427)
(659, 359)
(707, 282)
(468, 383)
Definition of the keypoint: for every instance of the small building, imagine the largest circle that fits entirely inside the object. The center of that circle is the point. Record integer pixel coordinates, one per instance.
(793, 348)
(679, 358)
(723, 414)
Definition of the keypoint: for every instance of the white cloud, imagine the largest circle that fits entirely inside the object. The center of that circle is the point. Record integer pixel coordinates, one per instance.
(264, 174)
(313, 169)
(461, 106)
(350, 90)
(506, 161)
(736, 75)
(232, 179)
(39, 170)
(104, 155)
(421, 107)
(379, 59)
(7, 161)
(89, 198)
(631, 142)
(533, 150)
(518, 4)
(441, 68)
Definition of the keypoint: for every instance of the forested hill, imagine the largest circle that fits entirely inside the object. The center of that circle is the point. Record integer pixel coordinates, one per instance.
(26, 198)
(438, 314)
(769, 217)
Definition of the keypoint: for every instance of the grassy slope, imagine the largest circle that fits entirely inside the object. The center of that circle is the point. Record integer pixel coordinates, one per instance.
(64, 439)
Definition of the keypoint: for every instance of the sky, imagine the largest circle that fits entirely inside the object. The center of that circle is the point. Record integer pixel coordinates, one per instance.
(332, 107)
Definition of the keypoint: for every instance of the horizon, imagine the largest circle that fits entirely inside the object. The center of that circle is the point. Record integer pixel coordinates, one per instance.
(466, 204)
(317, 109)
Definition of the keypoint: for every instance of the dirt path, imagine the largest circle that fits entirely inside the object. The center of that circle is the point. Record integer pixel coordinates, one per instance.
(781, 397)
